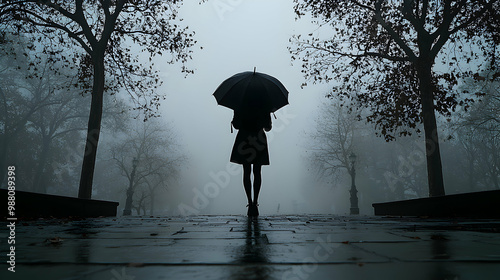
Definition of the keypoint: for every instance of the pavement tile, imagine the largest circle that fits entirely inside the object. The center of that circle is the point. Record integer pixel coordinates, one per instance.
(375, 271)
(272, 247)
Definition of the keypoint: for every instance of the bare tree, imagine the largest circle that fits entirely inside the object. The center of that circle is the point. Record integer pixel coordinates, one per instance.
(22, 94)
(393, 169)
(334, 140)
(147, 157)
(51, 123)
(46, 113)
(478, 130)
(384, 53)
(103, 31)
(140, 203)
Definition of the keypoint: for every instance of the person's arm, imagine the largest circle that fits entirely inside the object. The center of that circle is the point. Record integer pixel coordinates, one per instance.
(268, 125)
(236, 121)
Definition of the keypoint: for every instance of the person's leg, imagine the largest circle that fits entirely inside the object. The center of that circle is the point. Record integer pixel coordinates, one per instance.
(257, 181)
(247, 183)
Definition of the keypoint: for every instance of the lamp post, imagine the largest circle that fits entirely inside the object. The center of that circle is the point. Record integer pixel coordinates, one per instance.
(354, 192)
(130, 191)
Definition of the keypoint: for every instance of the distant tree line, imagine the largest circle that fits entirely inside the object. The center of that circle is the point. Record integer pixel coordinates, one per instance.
(101, 36)
(43, 115)
(401, 61)
(396, 170)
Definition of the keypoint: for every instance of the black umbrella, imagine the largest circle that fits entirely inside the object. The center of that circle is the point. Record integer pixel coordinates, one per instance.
(250, 91)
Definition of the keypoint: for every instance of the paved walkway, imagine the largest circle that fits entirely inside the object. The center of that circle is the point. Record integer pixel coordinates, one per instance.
(273, 247)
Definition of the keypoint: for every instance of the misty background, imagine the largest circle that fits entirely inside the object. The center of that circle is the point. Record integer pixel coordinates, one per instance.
(188, 147)
(237, 36)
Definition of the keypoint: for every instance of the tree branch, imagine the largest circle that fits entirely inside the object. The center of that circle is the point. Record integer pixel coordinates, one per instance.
(471, 19)
(357, 3)
(392, 33)
(50, 24)
(408, 14)
(353, 55)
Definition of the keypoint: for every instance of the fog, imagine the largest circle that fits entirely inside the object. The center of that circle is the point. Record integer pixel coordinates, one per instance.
(188, 146)
(237, 36)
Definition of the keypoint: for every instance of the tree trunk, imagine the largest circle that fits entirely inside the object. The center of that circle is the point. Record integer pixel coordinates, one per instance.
(433, 155)
(38, 183)
(151, 208)
(127, 211)
(93, 130)
(494, 164)
(472, 179)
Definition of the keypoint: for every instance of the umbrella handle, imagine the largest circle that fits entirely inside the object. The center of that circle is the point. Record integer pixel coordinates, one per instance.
(231, 127)
(275, 116)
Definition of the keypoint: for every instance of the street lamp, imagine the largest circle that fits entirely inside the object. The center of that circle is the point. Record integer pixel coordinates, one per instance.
(130, 191)
(354, 192)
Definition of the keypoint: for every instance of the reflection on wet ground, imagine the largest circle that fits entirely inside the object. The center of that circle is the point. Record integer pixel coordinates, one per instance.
(253, 254)
(270, 247)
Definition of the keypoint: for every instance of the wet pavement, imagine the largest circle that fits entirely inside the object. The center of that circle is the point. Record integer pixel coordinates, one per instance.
(271, 247)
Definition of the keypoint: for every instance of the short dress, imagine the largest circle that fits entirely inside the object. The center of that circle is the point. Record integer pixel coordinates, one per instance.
(250, 145)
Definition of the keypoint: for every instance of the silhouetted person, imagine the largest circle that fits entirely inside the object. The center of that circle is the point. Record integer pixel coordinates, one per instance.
(250, 148)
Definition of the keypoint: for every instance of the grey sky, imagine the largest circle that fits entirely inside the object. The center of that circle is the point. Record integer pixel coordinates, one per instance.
(237, 36)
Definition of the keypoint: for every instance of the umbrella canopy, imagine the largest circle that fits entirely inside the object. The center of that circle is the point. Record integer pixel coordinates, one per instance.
(251, 91)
